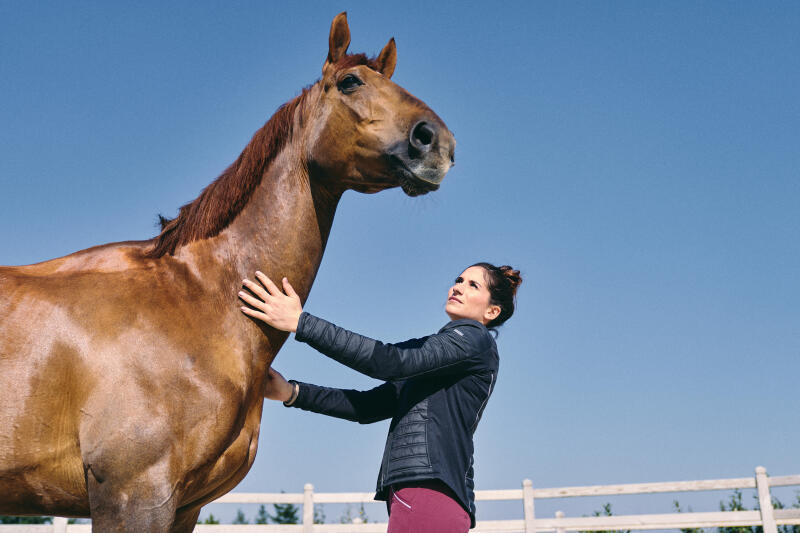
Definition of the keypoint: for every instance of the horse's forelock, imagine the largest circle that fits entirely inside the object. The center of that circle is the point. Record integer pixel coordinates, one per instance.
(352, 60)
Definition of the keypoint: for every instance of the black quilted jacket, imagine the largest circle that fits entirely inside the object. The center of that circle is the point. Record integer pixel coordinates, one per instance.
(435, 392)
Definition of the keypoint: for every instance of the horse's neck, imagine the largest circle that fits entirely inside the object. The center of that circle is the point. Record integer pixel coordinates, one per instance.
(282, 231)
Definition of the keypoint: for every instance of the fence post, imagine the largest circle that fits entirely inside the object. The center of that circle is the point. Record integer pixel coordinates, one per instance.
(308, 508)
(527, 505)
(559, 527)
(765, 501)
(60, 524)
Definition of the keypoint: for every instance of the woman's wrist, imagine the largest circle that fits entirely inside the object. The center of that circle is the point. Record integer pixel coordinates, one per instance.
(297, 325)
(295, 391)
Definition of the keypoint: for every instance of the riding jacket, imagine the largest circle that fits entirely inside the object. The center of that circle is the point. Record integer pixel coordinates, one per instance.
(435, 391)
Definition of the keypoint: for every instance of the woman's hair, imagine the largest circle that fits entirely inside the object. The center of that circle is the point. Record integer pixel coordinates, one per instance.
(502, 283)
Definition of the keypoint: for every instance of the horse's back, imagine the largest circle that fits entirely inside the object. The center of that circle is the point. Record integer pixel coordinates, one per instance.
(39, 302)
(115, 256)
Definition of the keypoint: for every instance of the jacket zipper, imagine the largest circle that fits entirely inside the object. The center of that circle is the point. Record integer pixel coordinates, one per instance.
(480, 410)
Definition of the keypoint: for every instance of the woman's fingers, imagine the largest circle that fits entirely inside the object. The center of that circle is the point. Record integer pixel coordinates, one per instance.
(256, 289)
(255, 302)
(289, 289)
(271, 287)
(270, 304)
(255, 314)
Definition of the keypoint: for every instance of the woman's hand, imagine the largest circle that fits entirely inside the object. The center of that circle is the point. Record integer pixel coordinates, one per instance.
(279, 310)
(276, 387)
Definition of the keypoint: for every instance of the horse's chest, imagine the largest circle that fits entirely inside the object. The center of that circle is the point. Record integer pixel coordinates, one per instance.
(232, 462)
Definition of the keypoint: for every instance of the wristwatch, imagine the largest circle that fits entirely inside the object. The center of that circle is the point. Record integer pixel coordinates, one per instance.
(295, 392)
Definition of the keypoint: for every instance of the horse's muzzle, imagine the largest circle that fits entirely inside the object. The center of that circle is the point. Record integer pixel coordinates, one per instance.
(424, 160)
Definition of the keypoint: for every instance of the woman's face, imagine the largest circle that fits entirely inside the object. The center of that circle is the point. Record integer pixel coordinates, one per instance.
(469, 297)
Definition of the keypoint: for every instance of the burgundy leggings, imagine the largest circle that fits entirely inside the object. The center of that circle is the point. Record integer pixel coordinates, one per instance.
(425, 507)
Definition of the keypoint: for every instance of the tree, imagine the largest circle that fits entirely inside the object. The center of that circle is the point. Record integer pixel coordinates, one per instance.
(776, 503)
(606, 511)
(678, 509)
(25, 520)
(735, 504)
(348, 518)
(362, 514)
(211, 519)
(285, 513)
(240, 518)
(262, 517)
(319, 514)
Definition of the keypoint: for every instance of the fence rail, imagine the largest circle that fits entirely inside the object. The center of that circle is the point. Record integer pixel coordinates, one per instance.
(767, 517)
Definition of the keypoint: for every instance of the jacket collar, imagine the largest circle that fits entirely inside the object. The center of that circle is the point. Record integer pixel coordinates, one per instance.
(462, 321)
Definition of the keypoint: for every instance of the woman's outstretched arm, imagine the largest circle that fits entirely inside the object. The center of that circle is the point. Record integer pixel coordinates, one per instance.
(454, 349)
(364, 407)
(460, 346)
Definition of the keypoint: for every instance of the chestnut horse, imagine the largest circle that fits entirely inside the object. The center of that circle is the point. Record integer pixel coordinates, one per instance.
(131, 382)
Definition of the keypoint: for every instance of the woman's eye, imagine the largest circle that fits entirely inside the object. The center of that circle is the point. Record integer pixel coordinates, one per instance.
(349, 83)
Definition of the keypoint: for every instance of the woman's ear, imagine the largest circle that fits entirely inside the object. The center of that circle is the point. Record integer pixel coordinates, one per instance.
(492, 312)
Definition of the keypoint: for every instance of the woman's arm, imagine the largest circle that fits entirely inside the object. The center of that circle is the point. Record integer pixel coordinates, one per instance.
(364, 407)
(454, 349)
(457, 348)
(277, 388)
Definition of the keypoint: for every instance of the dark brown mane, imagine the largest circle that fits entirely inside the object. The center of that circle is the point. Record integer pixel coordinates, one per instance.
(225, 197)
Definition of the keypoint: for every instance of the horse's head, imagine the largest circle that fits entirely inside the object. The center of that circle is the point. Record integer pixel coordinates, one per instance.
(367, 133)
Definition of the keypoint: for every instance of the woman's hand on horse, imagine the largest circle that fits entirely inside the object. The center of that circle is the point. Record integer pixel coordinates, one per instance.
(280, 309)
(276, 387)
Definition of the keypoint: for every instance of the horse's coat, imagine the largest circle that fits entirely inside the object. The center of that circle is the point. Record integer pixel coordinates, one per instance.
(131, 383)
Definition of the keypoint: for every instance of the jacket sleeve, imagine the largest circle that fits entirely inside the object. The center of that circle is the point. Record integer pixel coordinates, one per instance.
(450, 351)
(364, 407)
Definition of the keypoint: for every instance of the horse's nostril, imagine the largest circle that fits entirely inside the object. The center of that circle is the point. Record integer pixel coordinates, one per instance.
(422, 135)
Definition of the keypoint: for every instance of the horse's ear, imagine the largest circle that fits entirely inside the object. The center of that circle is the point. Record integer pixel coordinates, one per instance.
(388, 59)
(339, 39)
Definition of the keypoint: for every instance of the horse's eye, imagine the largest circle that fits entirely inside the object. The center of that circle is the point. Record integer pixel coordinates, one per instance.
(349, 83)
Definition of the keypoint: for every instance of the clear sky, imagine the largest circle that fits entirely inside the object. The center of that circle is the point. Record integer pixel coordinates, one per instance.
(638, 161)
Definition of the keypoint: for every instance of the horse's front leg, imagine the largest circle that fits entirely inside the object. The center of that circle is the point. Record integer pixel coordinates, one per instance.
(131, 462)
(143, 503)
(185, 520)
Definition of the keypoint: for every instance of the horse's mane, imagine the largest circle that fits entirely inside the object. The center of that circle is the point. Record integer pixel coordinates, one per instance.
(225, 197)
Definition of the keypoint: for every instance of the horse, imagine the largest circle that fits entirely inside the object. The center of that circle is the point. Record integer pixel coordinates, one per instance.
(132, 383)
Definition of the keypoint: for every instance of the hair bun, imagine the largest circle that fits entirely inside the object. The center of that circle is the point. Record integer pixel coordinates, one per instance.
(512, 276)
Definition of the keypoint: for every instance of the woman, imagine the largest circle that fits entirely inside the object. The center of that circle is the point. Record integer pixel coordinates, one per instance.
(435, 391)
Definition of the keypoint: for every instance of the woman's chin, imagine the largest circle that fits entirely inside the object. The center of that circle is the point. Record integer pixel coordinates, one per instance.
(454, 315)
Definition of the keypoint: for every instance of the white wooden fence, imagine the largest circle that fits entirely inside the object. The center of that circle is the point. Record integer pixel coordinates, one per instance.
(767, 517)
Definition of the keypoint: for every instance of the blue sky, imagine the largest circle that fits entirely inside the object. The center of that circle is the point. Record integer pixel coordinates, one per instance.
(637, 161)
